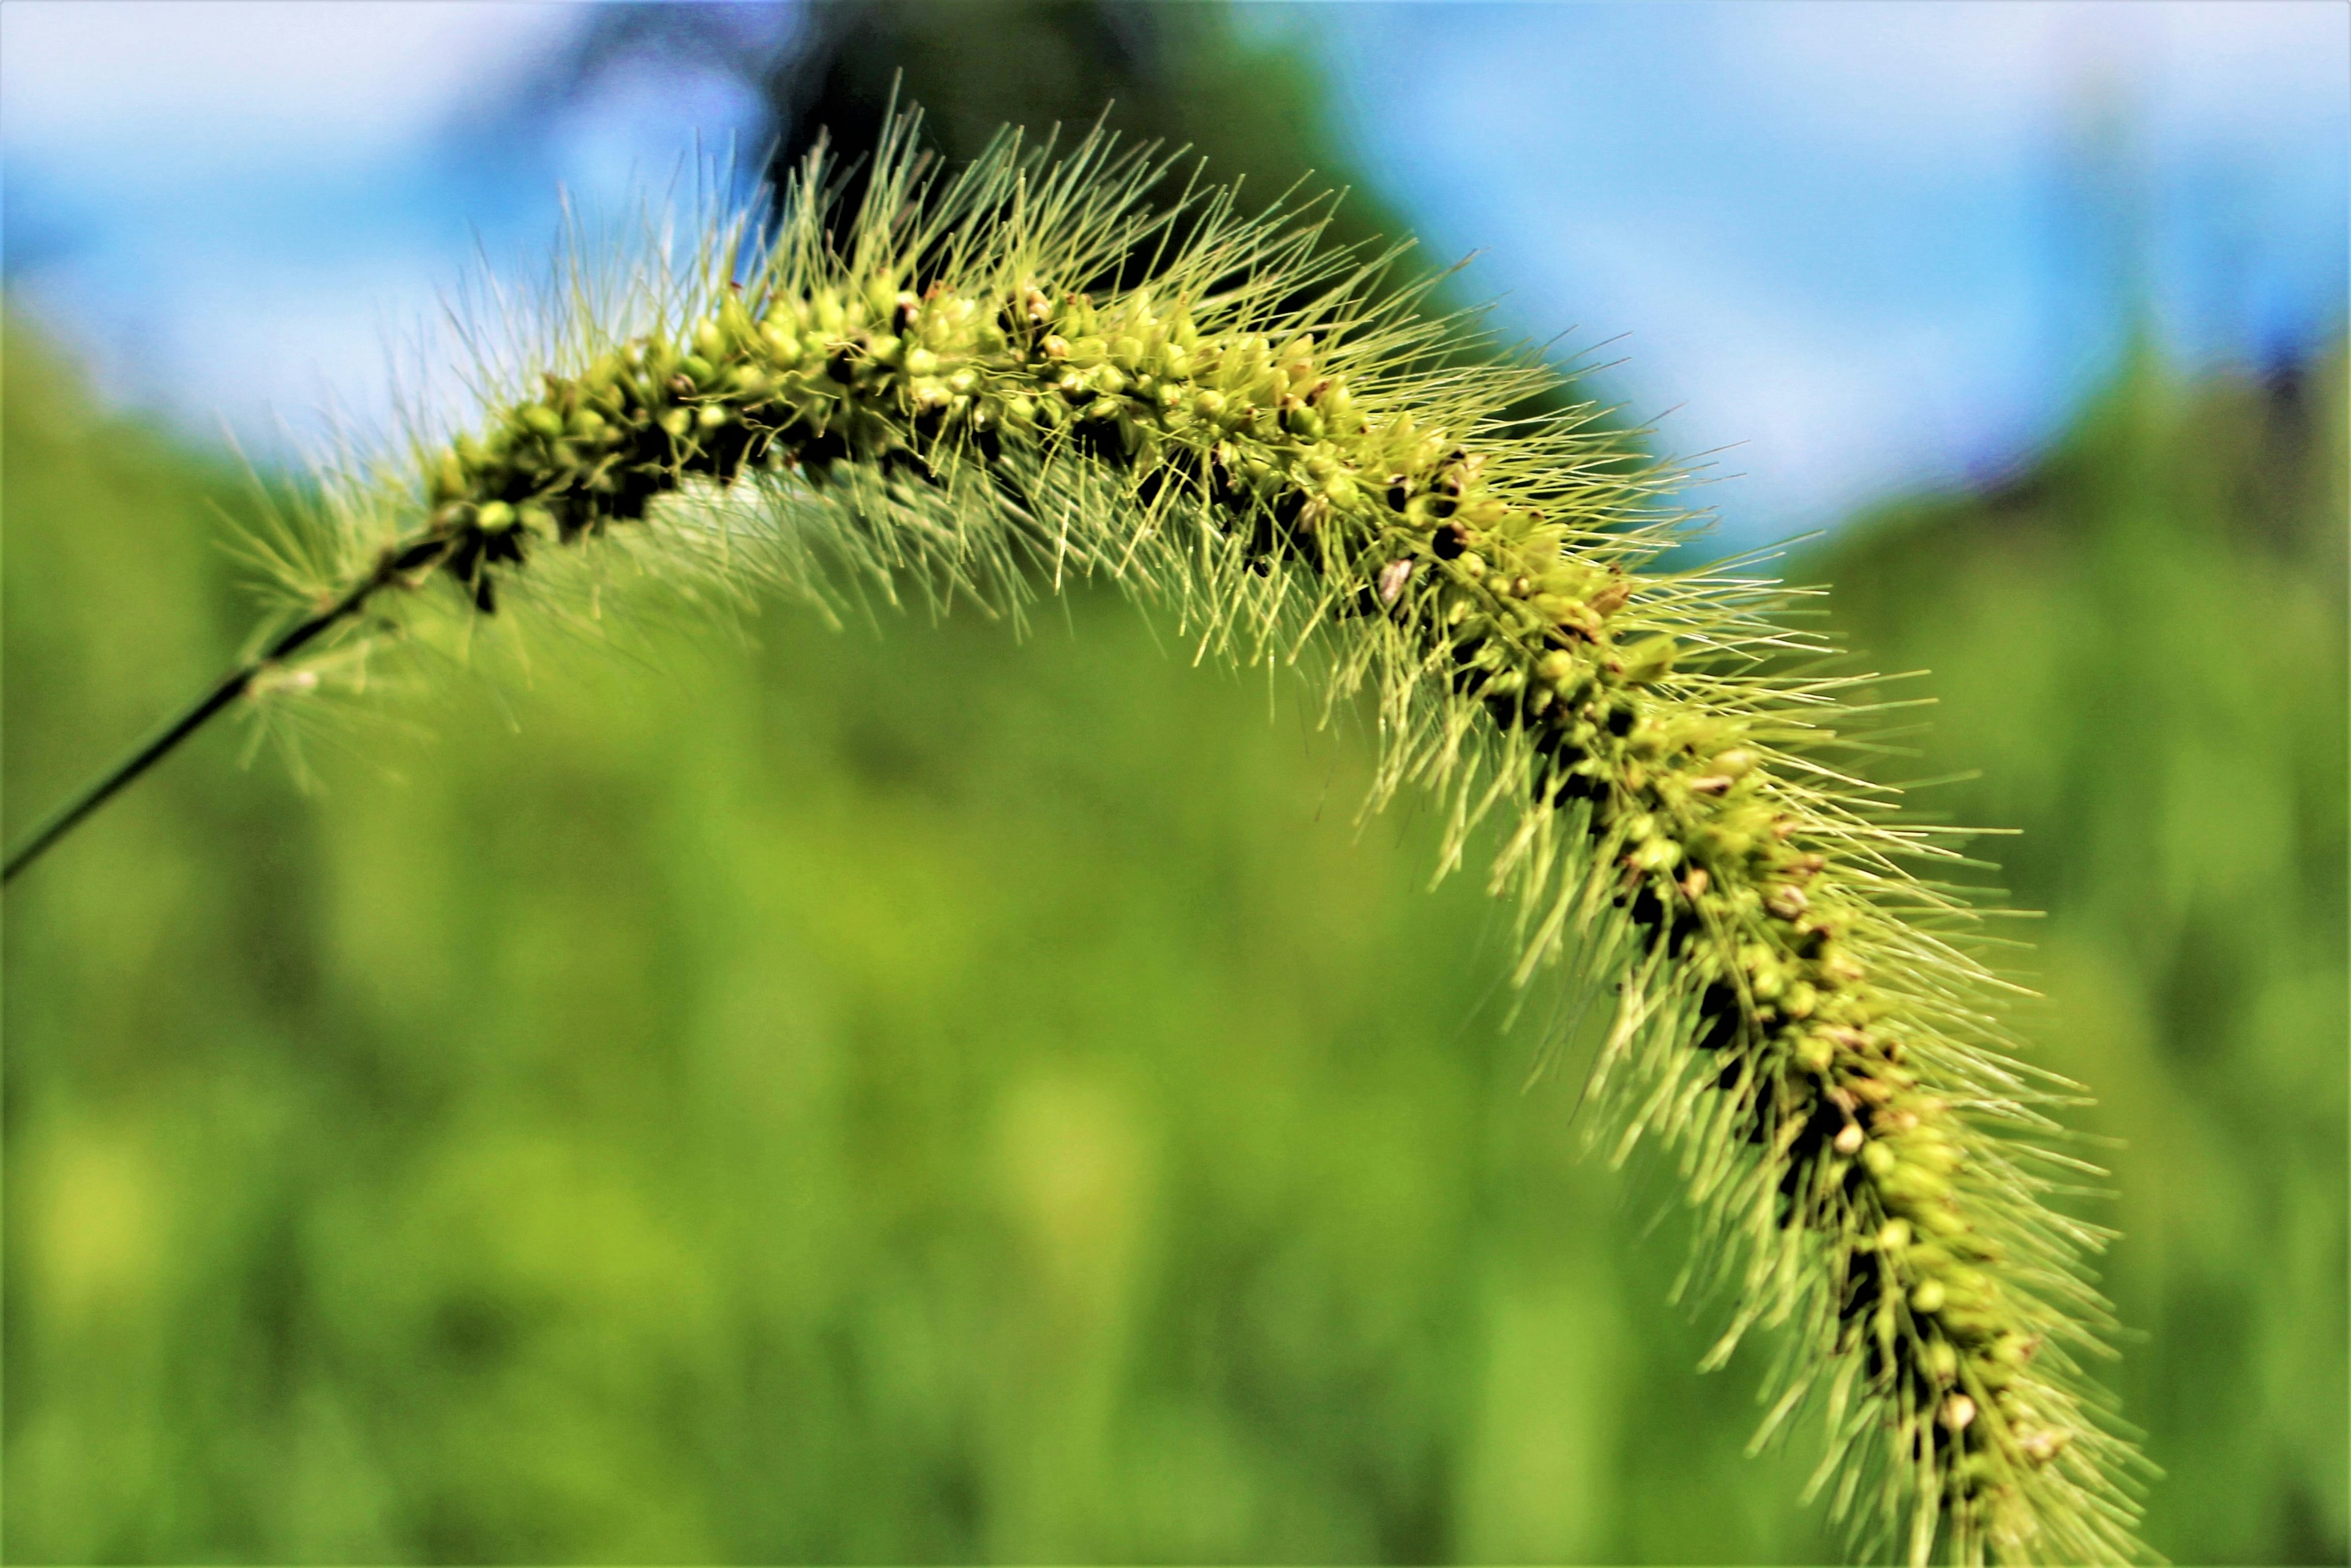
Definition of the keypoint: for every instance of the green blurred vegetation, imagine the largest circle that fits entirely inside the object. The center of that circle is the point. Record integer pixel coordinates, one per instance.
(921, 1096)
(918, 1094)
(874, 1098)
(2140, 642)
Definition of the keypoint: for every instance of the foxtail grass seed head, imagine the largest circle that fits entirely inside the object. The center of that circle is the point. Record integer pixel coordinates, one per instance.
(1037, 367)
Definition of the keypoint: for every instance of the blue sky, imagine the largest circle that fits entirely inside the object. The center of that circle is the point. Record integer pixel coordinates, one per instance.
(1852, 246)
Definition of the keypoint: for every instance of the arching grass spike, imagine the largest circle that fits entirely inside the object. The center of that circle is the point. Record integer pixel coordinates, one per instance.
(999, 379)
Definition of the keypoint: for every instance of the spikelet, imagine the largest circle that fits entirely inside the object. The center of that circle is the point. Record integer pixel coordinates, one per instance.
(979, 386)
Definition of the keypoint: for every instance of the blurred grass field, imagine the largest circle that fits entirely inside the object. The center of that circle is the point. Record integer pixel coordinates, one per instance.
(918, 1095)
(2140, 642)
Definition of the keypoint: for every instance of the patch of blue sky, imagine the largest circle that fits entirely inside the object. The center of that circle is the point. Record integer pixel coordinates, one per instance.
(1867, 245)
(257, 215)
(1858, 247)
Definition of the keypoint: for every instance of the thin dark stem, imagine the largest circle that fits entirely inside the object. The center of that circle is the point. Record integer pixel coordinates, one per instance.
(97, 793)
(230, 687)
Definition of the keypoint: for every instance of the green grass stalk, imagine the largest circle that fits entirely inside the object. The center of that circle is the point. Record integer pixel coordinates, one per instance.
(1039, 368)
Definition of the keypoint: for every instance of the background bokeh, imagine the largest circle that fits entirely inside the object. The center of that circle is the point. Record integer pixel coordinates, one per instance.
(918, 1094)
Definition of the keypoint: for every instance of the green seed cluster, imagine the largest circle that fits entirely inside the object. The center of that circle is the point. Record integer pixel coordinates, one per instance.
(1402, 522)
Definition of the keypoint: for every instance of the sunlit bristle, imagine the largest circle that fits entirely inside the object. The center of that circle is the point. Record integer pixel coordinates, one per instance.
(986, 382)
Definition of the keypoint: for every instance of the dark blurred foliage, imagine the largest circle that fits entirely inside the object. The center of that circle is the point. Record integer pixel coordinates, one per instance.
(1185, 78)
(1175, 74)
(1180, 76)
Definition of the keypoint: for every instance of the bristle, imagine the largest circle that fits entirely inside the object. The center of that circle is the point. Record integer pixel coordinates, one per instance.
(1043, 368)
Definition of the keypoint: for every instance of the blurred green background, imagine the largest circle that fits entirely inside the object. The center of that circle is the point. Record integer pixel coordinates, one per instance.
(913, 1094)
